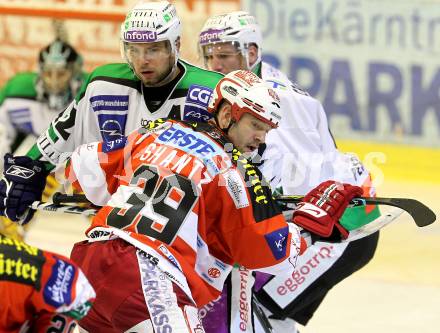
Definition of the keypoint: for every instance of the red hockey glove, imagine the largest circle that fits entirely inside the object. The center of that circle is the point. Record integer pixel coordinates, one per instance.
(320, 210)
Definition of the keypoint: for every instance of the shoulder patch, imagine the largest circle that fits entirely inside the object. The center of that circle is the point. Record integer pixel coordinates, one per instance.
(277, 241)
(196, 103)
(236, 189)
(58, 289)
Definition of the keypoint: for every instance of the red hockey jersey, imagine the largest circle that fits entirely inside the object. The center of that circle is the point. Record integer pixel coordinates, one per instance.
(182, 194)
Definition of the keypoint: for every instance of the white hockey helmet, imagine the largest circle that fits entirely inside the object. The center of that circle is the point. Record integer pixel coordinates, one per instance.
(247, 93)
(239, 28)
(151, 22)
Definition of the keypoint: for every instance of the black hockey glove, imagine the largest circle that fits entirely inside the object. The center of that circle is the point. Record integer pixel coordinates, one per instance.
(23, 183)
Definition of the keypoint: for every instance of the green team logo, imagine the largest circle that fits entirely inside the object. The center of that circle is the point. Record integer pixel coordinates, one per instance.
(242, 22)
(167, 17)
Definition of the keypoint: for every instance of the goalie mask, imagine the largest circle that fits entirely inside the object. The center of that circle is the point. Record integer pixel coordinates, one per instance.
(59, 75)
(247, 93)
(237, 28)
(150, 22)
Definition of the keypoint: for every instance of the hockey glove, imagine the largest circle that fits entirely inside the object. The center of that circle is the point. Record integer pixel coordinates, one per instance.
(23, 183)
(320, 210)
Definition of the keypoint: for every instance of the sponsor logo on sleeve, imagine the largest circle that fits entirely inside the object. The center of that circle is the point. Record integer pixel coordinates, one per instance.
(109, 146)
(111, 111)
(58, 290)
(236, 189)
(277, 241)
(196, 104)
(214, 272)
(109, 103)
(169, 255)
(112, 126)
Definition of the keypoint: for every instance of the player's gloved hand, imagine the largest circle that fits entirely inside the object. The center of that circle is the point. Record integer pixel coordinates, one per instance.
(320, 210)
(23, 183)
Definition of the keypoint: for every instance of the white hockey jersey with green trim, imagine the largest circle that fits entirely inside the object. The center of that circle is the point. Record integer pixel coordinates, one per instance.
(111, 104)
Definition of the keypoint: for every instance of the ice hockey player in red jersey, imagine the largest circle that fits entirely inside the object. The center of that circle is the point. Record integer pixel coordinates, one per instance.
(40, 291)
(181, 206)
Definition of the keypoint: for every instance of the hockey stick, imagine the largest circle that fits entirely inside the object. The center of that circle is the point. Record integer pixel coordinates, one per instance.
(361, 232)
(421, 214)
(59, 198)
(60, 208)
(261, 316)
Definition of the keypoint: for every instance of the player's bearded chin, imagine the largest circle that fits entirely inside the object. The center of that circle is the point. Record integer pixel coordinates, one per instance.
(167, 76)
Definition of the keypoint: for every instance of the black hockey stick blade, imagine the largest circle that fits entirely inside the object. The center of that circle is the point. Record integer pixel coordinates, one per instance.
(421, 214)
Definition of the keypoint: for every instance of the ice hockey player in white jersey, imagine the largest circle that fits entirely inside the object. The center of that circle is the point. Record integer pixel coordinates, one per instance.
(297, 156)
(31, 100)
(117, 98)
